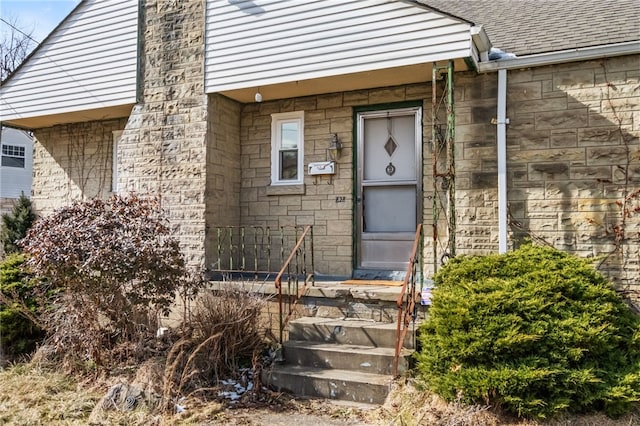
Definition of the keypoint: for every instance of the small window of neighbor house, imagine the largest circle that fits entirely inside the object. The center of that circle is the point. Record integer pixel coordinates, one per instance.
(13, 156)
(117, 134)
(287, 141)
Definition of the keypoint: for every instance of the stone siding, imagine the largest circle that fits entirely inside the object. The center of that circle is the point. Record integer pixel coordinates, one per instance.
(223, 171)
(72, 162)
(572, 156)
(163, 150)
(326, 202)
(572, 139)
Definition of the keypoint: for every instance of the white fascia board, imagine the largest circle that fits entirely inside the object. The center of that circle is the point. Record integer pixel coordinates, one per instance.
(481, 42)
(562, 56)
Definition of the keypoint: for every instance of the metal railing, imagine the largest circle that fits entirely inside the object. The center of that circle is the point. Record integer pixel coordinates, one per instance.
(258, 250)
(407, 298)
(293, 270)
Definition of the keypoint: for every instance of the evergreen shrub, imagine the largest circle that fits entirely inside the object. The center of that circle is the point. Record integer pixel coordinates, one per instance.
(16, 224)
(18, 333)
(536, 331)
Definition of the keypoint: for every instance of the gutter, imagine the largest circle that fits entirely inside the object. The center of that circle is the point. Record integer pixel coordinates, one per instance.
(562, 56)
(535, 60)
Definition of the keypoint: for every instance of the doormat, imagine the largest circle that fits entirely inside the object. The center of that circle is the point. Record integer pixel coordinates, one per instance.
(374, 282)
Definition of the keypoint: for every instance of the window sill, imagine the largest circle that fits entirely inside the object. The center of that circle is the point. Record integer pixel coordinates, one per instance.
(297, 189)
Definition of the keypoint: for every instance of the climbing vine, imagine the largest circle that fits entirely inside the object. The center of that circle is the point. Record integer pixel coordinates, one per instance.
(89, 153)
(628, 203)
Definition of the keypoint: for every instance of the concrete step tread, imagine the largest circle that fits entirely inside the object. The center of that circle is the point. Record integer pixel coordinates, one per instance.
(346, 348)
(332, 374)
(343, 322)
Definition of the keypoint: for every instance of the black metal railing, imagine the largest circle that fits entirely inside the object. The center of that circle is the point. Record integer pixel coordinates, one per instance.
(408, 295)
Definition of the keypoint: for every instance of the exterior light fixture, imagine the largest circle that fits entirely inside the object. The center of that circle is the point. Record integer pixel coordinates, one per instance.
(335, 146)
(258, 96)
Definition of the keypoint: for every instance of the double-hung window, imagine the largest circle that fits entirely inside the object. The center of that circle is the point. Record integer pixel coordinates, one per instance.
(13, 156)
(287, 140)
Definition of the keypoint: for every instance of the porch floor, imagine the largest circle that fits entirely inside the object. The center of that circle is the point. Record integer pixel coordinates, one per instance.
(368, 290)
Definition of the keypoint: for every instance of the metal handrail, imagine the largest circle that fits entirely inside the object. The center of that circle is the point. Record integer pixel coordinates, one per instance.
(299, 254)
(407, 298)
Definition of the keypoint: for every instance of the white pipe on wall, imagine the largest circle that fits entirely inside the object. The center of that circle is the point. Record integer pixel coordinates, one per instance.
(502, 160)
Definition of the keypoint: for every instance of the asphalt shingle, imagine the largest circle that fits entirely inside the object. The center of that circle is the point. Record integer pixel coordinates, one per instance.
(526, 27)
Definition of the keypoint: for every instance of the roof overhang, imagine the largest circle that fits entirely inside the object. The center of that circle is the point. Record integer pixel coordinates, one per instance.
(37, 122)
(386, 77)
(409, 74)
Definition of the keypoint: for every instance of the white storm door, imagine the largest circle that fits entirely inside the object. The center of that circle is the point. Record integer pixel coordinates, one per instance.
(388, 186)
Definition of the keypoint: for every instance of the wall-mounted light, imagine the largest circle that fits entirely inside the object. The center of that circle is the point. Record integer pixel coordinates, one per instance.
(335, 146)
(258, 96)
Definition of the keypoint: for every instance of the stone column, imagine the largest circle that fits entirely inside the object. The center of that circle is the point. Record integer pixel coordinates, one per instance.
(163, 148)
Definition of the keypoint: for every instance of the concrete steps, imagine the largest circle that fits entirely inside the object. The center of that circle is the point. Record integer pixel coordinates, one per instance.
(331, 384)
(345, 357)
(346, 331)
(365, 359)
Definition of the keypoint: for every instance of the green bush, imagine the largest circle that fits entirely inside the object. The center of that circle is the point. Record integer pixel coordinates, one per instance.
(18, 334)
(16, 224)
(536, 331)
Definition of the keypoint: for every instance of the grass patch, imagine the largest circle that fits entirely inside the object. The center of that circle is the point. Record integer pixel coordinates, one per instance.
(30, 395)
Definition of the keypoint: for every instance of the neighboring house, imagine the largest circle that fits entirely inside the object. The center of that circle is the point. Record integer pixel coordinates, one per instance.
(544, 144)
(16, 166)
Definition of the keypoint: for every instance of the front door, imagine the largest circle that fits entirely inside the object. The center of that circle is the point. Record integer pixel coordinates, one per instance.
(388, 191)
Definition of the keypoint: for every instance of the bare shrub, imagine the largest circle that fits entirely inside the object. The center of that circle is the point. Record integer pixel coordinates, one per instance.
(226, 334)
(111, 268)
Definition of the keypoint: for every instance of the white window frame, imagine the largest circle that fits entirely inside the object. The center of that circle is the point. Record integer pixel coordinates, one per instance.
(117, 134)
(276, 142)
(13, 151)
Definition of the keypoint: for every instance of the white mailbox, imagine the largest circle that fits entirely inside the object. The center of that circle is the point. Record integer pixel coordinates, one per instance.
(322, 168)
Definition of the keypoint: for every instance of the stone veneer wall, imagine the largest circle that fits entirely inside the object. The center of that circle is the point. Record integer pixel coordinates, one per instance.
(163, 150)
(72, 162)
(222, 195)
(573, 154)
(317, 203)
(573, 132)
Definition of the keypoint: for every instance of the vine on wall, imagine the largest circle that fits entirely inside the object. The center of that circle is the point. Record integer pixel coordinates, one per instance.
(89, 151)
(628, 203)
(615, 229)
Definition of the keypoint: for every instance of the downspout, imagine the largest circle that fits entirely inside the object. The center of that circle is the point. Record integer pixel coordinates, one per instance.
(502, 160)
(482, 45)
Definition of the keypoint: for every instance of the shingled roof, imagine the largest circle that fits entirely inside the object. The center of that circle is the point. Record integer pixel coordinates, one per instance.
(526, 27)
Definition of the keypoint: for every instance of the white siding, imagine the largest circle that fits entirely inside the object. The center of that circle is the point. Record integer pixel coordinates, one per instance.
(258, 42)
(89, 62)
(15, 180)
